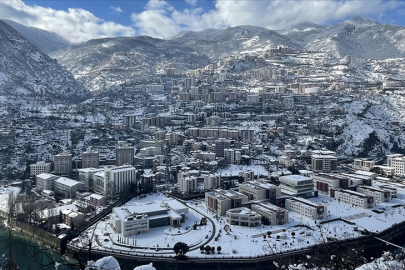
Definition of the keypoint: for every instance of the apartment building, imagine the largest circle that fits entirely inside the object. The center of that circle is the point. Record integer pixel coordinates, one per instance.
(273, 214)
(363, 164)
(305, 208)
(353, 198)
(40, 167)
(297, 185)
(73, 218)
(247, 135)
(247, 175)
(220, 145)
(90, 159)
(45, 181)
(63, 163)
(379, 195)
(187, 180)
(243, 216)
(397, 161)
(220, 201)
(124, 154)
(324, 163)
(212, 181)
(260, 190)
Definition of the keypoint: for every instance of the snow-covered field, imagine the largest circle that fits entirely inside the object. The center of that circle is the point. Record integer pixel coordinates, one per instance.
(5, 194)
(301, 232)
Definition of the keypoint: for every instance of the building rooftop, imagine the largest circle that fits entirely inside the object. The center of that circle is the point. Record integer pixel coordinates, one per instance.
(67, 182)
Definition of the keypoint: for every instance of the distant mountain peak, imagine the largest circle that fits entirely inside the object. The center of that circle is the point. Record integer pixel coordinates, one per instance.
(45, 40)
(363, 21)
(307, 24)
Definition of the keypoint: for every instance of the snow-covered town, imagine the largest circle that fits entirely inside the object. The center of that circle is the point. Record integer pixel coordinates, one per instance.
(240, 145)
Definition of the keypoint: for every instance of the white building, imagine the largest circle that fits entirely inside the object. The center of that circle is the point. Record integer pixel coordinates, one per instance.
(273, 214)
(305, 208)
(397, 161)
(86, 176)
(118, 180)
(219, 201)
(212, 181)
(67, 187)
(379, 195)
(324, 183)
(187, 180)
(45, 181)
(297, 185)
(132, 220)
(40, 167)
(324, 163)
(243, 216)
(260, 190)
(353, 198)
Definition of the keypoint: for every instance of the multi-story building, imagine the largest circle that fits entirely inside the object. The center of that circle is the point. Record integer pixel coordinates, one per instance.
(324, 163)
(260, 190)
(63, 163)
(243, 216)
(67, 187)
(305, 207)
(392, 190)
(86, 176)
(40, 167)
(353, 198)
(129, 121)
(247, 135)
(380, 195)
(124, 154)
(212, 181)
(220, 145)
(273, 214)
(151, 151)
(247, 175)
(172, 138)
(297, 185)
(90, 159)
(73, 218)
(363, 164)
(397, 161)
(220, 201)
(325, 182)
(45, 181)
(118, 180)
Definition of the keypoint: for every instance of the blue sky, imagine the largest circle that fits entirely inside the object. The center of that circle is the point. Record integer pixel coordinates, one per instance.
(78, 21)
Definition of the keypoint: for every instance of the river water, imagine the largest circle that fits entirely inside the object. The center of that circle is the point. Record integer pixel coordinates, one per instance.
(22, 250)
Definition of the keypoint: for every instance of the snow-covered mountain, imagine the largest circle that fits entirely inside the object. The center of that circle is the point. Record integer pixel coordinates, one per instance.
(26, 71)
(358, 36)
(218, 43)
(101, 63)
(46, 41)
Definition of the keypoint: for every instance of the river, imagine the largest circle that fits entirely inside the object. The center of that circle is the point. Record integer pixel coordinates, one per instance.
(22, 252)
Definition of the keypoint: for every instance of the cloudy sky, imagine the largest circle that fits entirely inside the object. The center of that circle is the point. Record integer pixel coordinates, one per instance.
(79, 20)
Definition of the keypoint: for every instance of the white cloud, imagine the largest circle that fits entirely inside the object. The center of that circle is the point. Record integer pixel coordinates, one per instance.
(116, 10)
(76, 25)
(160, 19)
